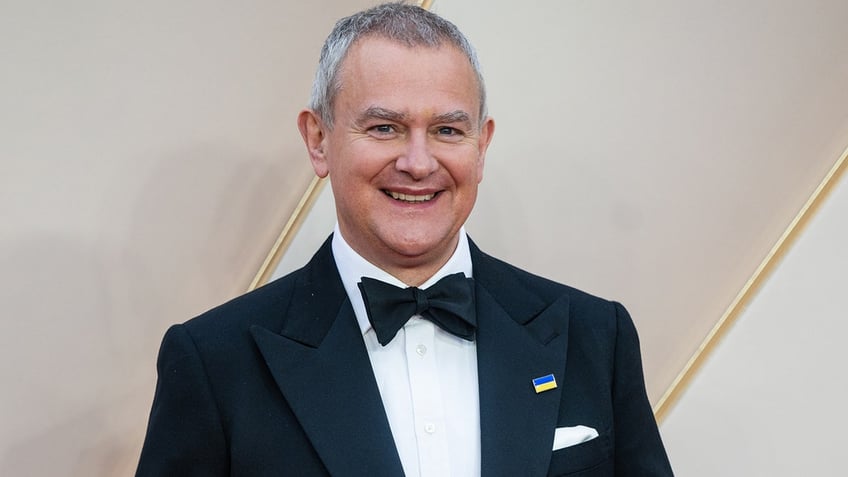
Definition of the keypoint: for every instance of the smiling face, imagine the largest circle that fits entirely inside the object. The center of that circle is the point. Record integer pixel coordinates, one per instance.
(405, 153)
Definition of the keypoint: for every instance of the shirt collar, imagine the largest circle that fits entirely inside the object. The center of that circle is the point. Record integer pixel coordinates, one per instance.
(352, 267)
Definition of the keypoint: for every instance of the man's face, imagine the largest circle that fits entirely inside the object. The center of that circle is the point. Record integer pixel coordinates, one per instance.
(405, 154)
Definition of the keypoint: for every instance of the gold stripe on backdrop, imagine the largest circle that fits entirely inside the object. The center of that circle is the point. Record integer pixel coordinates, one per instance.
(760, 275)
(272, 259)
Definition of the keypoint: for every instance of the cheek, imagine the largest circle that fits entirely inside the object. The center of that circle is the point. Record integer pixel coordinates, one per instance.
(361, 159)
(472, 172)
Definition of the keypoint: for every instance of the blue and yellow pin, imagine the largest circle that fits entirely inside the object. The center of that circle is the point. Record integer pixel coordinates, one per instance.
(544, 383)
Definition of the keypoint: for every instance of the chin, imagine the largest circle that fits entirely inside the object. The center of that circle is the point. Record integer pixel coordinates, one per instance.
(421, 246)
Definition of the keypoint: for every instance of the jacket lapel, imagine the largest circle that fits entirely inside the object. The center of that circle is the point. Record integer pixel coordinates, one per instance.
(519, 337)
(320, 364)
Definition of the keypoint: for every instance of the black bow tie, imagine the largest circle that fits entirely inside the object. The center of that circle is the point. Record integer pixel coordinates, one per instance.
(449, 303)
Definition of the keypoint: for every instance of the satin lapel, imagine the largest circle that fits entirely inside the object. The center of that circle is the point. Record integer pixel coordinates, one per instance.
(320, 364)
(517, 424)
(332, 391)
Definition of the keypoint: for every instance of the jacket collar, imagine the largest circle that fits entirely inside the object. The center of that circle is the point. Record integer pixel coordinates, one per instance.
(319, 362)
(521, 335)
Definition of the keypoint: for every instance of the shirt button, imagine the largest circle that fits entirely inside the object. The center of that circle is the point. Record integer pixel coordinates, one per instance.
(429, 428)
(421, 350)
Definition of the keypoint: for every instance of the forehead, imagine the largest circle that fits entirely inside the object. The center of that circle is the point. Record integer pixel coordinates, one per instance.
(380, 69)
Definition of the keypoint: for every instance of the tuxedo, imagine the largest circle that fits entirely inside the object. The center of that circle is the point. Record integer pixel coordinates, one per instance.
(278, 382)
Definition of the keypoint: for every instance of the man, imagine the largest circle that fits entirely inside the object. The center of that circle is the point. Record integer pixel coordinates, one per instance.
(321, 373)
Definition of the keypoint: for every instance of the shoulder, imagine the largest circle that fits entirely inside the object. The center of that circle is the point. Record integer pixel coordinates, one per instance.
(227, 326)
(514, 288)
(254, 306)
(270, 306)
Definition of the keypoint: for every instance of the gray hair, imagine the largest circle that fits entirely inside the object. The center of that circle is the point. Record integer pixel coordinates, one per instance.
(407, 24)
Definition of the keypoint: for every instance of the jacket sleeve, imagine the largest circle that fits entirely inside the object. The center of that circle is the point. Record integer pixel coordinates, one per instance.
(639, 450)
(184, 435)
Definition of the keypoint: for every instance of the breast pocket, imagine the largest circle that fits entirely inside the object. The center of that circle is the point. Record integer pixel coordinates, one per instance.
(588, 459)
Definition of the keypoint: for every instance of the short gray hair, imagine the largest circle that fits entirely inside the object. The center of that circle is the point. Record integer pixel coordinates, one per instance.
(407, 24)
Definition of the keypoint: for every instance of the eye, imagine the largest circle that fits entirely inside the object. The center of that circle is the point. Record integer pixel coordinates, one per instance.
(383, 129)
(449, 134)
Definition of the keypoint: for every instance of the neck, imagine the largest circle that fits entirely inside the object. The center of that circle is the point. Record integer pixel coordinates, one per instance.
(414, 271)
(411, 270)
(415, 276)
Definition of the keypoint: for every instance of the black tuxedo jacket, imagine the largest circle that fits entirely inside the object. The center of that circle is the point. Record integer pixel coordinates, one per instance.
(278, 383)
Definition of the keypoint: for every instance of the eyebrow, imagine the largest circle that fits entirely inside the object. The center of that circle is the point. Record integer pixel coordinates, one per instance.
(375, 112)
(458, 116)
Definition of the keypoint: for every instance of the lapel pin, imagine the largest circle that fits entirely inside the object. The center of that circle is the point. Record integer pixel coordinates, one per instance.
(544, 383)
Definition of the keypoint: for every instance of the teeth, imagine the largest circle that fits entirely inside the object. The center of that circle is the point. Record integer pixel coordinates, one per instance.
(410, 197)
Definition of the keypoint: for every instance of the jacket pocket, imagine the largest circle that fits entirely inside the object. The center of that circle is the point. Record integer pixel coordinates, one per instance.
(594, 455)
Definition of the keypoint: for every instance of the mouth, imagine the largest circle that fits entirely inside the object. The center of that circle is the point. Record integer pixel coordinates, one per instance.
(410, 198)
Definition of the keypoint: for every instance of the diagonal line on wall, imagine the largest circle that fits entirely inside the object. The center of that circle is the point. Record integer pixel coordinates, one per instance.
(301, 211)
(751, 287)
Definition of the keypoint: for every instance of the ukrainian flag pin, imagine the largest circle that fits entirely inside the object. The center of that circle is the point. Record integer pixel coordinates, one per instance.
(544, 383)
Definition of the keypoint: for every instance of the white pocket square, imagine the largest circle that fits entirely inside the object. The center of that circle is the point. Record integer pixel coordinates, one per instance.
(571, 436)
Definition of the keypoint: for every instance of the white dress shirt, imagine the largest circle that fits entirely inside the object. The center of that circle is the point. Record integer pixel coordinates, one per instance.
(427, 377)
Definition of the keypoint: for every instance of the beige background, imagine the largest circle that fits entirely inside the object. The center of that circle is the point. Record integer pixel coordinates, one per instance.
(148, 158)
(771, 400)
(650, 152)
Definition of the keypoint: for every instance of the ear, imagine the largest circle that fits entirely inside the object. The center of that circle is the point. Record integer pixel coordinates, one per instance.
(312, 130)
(487, 130)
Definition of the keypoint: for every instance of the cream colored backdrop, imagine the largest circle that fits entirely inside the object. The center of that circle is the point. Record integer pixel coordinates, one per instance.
(148, 157)
(647, 151)
(771, 400)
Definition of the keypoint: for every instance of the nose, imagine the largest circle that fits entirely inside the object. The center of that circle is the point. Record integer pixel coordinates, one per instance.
(416, 158)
